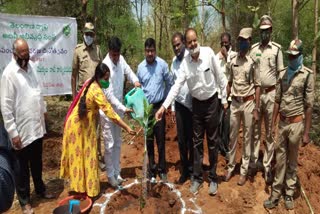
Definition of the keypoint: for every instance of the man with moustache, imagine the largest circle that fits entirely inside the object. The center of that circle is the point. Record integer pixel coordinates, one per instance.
(181, 110)
(268, 56)
(201, 72)
(156, 80)
(223, 58)
(23, 109)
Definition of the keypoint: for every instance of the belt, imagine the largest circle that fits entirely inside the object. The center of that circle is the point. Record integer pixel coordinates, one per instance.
(243, 99)
(268, 89)
(293, 119)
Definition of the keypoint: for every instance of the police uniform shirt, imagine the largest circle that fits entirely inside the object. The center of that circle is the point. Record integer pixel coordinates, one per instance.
(296, 95)
(244, 76)
(270, 62)
(85, 61)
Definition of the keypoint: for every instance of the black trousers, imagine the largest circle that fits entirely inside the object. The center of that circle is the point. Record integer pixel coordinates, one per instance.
(30, 155)
(205, 120)
(184, 129)
(159, 135)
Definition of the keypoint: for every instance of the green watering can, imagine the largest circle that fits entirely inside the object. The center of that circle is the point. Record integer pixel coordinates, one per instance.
(134, 99)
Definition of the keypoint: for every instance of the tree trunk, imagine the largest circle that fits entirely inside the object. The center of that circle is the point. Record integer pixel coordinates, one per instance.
(295, 19)
(223, 16)
(314, 51)
(84, 11)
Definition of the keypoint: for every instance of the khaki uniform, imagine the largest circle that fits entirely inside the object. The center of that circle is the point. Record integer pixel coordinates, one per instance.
(85, 61)
(270, 61)
(244, 77)
(293, 97)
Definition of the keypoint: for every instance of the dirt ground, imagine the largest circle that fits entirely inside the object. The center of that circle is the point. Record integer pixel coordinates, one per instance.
(230, 198)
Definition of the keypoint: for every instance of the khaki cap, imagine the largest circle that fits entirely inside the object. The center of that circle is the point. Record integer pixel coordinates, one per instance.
(245, 33)
(265, 22)
(88, 28)
(295, 47)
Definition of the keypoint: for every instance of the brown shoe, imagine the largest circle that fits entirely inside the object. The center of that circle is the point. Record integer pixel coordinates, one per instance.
(27, 209)
(242, 180)
(227, 176)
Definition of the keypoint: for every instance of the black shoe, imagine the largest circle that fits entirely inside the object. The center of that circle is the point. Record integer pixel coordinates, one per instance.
(288, 202)
(183, 179)
(46, 195)
(270, 203)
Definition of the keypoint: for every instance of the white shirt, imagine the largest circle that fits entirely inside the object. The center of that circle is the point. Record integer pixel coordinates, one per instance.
(222, 64)
(22, 104)
(117, 73)
(116, 104)
(202, 77)
(184, 97)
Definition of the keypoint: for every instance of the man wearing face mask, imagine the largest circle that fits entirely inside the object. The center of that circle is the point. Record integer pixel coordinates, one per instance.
(87, 56)
(201, 72)
(181, 110)
(23, 110)
(223, 58)
(119, 69)
(293, 104)
(268, 56)
(244, 85)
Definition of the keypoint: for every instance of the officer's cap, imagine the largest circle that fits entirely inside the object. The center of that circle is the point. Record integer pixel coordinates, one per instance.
(245, 33)
(88, 28)
(295, 47)
(265, 22)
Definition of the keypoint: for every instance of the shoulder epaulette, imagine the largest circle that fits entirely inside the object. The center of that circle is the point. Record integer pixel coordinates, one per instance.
(304, 68)
(255, 45)
(233, 56)
(79, 45)
(277, 45)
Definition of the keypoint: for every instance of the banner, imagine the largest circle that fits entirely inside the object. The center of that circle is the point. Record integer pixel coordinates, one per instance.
(51, 41)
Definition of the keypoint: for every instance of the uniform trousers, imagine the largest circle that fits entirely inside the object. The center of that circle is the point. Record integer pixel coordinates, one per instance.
(286, 150)
(205, 120)
(240, 112)
(266, 111)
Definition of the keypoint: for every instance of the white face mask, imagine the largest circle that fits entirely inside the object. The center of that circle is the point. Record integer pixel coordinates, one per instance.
(195, 50)
(88, 40)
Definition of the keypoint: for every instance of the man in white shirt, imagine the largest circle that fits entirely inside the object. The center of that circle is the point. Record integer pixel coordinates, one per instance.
(110, 131)
(182, 110)
(23, 109)
(202, 73)
(223, 58)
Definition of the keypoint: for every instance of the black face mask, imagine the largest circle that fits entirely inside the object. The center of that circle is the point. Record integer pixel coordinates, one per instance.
(181, 55)
(226, 46)
(22, 62)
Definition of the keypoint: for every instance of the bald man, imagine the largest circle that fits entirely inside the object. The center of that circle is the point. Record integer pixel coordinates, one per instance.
(23, 109)
(202, 74)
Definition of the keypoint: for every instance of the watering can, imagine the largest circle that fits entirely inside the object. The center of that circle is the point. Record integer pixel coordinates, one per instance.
(134, 99)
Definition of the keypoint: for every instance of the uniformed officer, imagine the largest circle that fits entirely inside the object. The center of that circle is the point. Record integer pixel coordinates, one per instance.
(269, 58)
(86, 57)
(244, 83)
(293, 103)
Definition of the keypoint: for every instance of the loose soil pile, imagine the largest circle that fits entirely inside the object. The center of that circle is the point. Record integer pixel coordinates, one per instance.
(231, 198)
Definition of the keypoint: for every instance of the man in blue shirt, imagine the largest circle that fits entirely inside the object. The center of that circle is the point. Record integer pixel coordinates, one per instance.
(156, 80)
